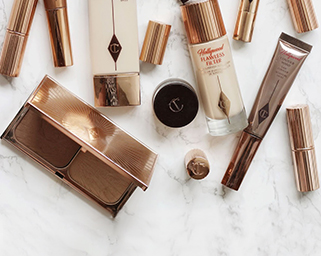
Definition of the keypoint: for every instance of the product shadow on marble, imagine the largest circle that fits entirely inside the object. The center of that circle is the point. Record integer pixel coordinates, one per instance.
(81, 146)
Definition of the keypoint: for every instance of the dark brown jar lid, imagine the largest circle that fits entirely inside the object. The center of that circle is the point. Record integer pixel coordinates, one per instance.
(175, 103)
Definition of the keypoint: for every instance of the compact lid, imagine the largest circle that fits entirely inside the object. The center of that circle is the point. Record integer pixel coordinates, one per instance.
(303, 15)
(155, 42)
(94, 132)
(175, 103)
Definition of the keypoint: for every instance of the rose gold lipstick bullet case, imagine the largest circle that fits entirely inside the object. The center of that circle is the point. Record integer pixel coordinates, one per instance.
(81, 146)
(15, 41)
(58, 24)
(302, 146)
(303, 15)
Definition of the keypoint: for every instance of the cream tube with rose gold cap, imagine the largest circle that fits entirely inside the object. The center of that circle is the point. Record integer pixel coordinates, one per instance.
(286, 63)
(114, 52)
(302, 146)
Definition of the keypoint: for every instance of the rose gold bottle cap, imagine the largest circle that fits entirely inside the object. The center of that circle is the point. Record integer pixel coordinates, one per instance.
(196, 164)
(303, 15)
(302, 145)
(245, 20)
(155, 42)
(203, 21)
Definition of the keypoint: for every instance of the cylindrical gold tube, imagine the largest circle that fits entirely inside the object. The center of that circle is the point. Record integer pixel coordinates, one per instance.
(58, 24)
(14, 45)
(245, 20)
(302, 146)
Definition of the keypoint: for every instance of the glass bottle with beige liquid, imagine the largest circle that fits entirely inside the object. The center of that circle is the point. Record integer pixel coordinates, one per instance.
(214, 68)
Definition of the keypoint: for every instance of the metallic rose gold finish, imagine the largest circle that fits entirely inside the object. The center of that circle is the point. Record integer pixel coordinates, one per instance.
(21, 16)
(303, 15)
(12, 54)
(203, 21)
(14, 46)
(196, 164)
(81, 146)
(287, 60)
(302, 145)
(241, 160)
(117, 90)
(54, 4)
(155, 42)
(245, 20)
(58, 24)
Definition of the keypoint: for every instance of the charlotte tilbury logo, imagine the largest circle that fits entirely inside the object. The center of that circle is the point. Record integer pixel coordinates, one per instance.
(264, 112)
(114, 48)
(175, 105)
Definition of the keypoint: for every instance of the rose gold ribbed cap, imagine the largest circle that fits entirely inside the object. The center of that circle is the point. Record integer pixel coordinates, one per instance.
(54, 4)
(14, 45)
(155, 42)
(302, 145)
(203, 21)
(303, 15)
(196, 164)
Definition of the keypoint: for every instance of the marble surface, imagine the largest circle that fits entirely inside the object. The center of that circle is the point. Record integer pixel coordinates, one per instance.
(39, 215)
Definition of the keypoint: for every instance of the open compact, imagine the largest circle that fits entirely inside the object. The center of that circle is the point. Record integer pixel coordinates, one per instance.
(81, 146)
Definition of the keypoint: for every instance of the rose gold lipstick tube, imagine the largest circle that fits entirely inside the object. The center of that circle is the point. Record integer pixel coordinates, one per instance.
(302, 146)
(15, 41)
(58, 24)
(245, 20)
(303, 15)
(288, 58)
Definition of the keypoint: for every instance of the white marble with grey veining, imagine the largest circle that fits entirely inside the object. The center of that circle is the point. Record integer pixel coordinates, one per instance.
(39, 215)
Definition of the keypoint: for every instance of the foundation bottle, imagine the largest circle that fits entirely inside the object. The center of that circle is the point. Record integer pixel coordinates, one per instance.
(214, 68)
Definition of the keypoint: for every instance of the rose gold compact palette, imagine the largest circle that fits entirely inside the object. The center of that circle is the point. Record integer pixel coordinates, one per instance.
(81, 146)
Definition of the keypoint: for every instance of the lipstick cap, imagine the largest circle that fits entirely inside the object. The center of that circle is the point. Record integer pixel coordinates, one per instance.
(155, 42)
(241, 160)
(203, 21)
(303, 15)
(58, 24)
(302, 145)
(245, 20)
(196, 164)
(21, 16)
(15, 41)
